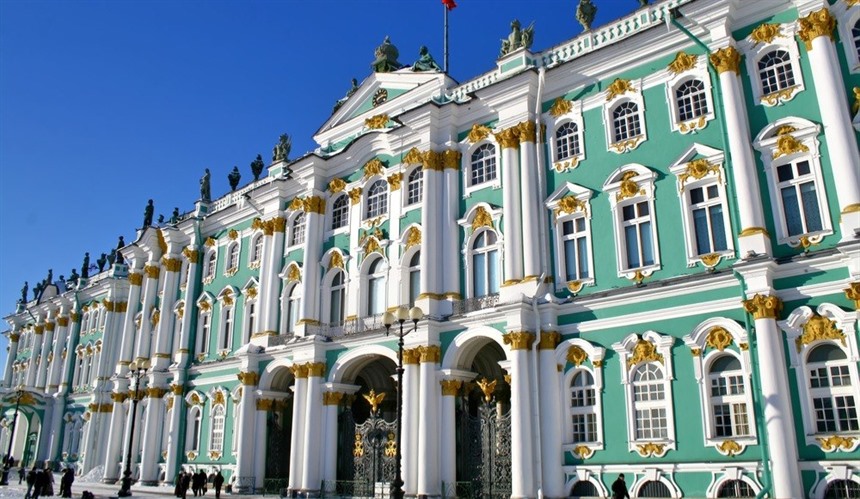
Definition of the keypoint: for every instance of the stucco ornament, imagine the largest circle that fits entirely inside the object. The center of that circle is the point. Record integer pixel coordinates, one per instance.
(819, 328)
(644, 351)
(487, 387)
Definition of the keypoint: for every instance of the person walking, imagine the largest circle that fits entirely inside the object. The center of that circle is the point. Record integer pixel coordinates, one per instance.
(218, 482)
(21, 474)
(66, 483)
(48, 485)
(177, 482)
(31, 481)
(38, 483)
(186, 482)
(619, 488)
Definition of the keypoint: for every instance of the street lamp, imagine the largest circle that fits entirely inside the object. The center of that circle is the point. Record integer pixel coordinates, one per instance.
(19, 394)
(415, 314)
(136, 371)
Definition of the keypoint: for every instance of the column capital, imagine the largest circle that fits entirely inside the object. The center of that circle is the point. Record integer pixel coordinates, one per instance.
(411, 356)
(451, 159)
(519, 340)
(299, 370)
(429, 353)
(726, 59)
(265, 404)
(450, 387)
(818, 23)
(135, 278)
(332, 398)
(852, 292)
(50, 326)
(249, 378)
(172, 264)
(527, 131)
(39, 329)
(191, 254)
(549, 340)
(432, 160)
(151, 270)
(509, 138)
(315, 369)
(279, 224)
(763, 306)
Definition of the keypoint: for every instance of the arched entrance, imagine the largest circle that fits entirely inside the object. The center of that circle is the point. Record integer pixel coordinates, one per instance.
(278, 404)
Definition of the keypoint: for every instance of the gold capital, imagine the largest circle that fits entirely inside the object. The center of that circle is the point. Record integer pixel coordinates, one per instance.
(63, 321)
(151, 271)
(192, 255)
(299, 370)
(527, 131)
(451, 159)
(135, 278)
(75, 317)
(818, 23)
(177, 389)
(509, 138)
(14, 337)
(726, 59)
(314, 204)
(411, 356)
(332, 398)
(154, 392)
(49, 326)
(355, 195)
(430, 353)
(315, 369)
(576, 355)
(519, 340)
(433, 160)
(172, 264)
(852, 292)
(39, 329)
(549, 340)
(264, 404)
(763, 306)
(279, 224)
(450, 387)
(248, 378)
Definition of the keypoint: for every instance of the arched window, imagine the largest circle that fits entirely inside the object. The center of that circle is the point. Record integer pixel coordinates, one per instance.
(691, 99)
(414, 184)
(256, 248)
(297, 234)
(291, 308)
(485, 264)
(625, 121)
(775, 71)
(649, 398)
(842, 489)
(340, 212)
(210, 265)
(232, 257)
(204, 326)
(728, 398)
(567, 141)
(192, 439)
(376, 287)
(583, 407)
(583, 488)
(227, 328)
(377, 199)
(736, 488)
(414, 277)
(337, 298)
(831, 390)
(483, 167)
(217, 442)
(653, 488)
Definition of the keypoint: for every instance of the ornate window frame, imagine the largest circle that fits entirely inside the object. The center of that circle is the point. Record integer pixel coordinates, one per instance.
(232, 256)
(630, 185)
(763, 40)
(745, 475)
(563, 112)
(290, 296)
(178, 324)
(371, 182)
(204, 321)
(838, 472)
(655, 475)
(195, 415)
(496, 182)
(411, 247)
(846, 17)
(408, 182)
(226, 319)
(381, 273)
(210, 265)
(569, 203)
(710, 340)
(700, 167)
(298, 230)
(255, 258)
(250, 294)
(619, 92)
(213, 430)
(480, 217)
(328, 289)
(635, 351)
(579, 355)
(331, 229)
(787, 141)
(698, 71)
(805, 330)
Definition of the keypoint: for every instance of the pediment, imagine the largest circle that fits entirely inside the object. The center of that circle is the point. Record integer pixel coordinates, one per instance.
(697, 151)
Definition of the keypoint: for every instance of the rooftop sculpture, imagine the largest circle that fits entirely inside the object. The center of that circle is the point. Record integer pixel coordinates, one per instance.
(386, 58)
(519, 38)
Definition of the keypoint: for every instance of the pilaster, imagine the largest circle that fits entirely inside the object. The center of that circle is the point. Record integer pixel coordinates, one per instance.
(550, 408)
(509, 141)
(300, 389)
(531, 200)
(273, 249)
(313, 429)
(522, 484)
(314, 207)
(247, 426)
(428, 424)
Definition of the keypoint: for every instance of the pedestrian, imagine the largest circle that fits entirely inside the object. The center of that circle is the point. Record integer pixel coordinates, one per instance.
(186, 482)
(177, 489)
(210, 480)
(202, 475)
(21, 474)
(619, 488)
(48, 486)
(66, 483)
(195, 483)
(38, 483)
(31, 481)
(218, 482)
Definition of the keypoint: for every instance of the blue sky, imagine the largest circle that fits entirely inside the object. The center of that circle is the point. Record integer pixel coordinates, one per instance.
(105, 104)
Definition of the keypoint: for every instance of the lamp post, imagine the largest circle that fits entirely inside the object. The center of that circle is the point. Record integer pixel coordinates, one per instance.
(136, 371)
(415, 314)
(19, 393)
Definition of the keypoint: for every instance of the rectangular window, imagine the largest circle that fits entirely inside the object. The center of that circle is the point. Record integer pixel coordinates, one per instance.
(708, 223)
(651, 424)
(636, 222)
(846, 413)
(575, 241)
(584, 428)
(824, 418)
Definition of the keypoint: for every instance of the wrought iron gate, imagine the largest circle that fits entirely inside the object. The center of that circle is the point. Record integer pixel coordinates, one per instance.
(485, 447)
(370, 461)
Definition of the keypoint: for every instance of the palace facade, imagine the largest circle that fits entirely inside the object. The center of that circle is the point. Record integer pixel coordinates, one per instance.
(635, 252)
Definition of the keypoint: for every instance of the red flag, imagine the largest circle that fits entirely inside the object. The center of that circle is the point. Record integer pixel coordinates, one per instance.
(449, 4)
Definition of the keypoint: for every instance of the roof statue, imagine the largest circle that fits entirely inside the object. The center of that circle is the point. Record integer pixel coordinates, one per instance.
(73, 277)
(519, 38)
(101, 262)
(50, 279)
(234, 177)
(205, 192)
(119, 245)
(85, 267)
(24, 292)
(257, 167)
(425, 61)
(281, 151)
(643, 3)
(349, 93)
(386, 58)
(160, 218)
(37, 290)
(147, 214)
(174, 218)
(111, 256)
(585, 12)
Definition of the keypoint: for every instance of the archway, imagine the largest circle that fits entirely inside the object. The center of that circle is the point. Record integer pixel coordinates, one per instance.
(277, 401)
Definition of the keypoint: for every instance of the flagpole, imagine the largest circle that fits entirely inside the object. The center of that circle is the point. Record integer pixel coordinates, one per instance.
(445, 40)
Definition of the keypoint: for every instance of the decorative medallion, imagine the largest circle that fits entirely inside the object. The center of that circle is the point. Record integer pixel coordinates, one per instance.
(765, 33)
(570, 204)
(233, 234)
(358, 449)
(374, 400)
(336, 185)
(710, 260)
(413, 157)
(818, 23)
(852, 292)
(836, 442)
(210, 242)
(394, 181)
(478, 133)
(487, 387)
(618, 87)
(786, 144)
(697, 169)
(575, 286)
(780, 96)
(682, 62)
(293, 273)
(628, 188)
(355, 195)
(563, 166)
(482, 219)
(583, 452)
(379, 97)
(651, 449)
(819, 328)
(218, 398)
(576, 355)
(560, 107)
(730, 448)
(718, 338)
(413, 237)
(644, 351)
(376, 122)
(693, 125)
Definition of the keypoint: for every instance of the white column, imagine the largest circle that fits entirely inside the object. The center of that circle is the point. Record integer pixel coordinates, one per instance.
(331, 406)
(314, 220)
(153, 425)
(56, 369)
(313, 429)
(450, 249)
(259, 446)
(247, 426)
(189, 311)
(67, 371)
(551, 436)
(56, 428)
(14, 337)
(531, 200)
(47, 343)
(174, 416)
(753, 236)
(116, 441)
(126, 351)
(431, 237)
(161, 357)
(270, 267)
(300, 389)
(150, 292)
(411, 416)
(448, 444)
(522, 484)
(428, 424)
(511, 218)
(778, 416)
(838, 128)
(32, 369)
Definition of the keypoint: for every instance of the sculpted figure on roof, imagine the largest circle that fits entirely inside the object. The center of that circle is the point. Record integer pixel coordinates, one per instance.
(425, 61)
(585, 12)
(386, 58)
(518, 38)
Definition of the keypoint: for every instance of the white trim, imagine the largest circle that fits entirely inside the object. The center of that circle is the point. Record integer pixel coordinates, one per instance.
(609, 106)
(846, 17)
(698, 72)
(553, 124)
(753, 53)
(718, 479)
(365, 194)
(644, 179)
(583, 195)
(836, 472)
(496, 182)
(655, 475)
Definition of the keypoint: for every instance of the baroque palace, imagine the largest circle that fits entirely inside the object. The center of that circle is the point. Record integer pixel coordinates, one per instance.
(635, 252)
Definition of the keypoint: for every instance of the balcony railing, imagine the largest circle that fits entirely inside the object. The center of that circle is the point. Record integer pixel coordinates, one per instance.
(474, 304)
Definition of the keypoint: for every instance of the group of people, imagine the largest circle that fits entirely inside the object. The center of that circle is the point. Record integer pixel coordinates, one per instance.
(198, 483)
(39, 482)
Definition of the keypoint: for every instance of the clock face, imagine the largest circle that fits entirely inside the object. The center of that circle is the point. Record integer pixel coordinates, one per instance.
(380, 96)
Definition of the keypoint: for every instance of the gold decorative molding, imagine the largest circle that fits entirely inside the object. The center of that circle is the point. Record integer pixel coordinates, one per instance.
(450, 387)
(692, 125)
(39, 329)
(279, 224)
(549, 340)
(852, 292)
(730, 448)
(355, 195)
(726, 59)
(299, 370)
(751, 231)
(651, 449)
(192, 255)
(50, 326)
(576, 355)
(151, 271)
(508, 138)
(563, 166)
(210, 242)
(191, 455)
(775, 98)
(432, 161)
(413, 237)
(628, 188)
(118, 397)
(478, 133)
(411, 356)
(332, 398)
(63, 321)
(413, 157)
(394, 181)
(618, 87)
(695, 352)
(744, 346)
(264, 404)
(519, 340)
(451, 159)
(155, 392)
(570, 204)
(836, 442)
(316, 369)
(718, 338)
(644, 351)
(527, 131)
(218, 398)
(429, 353)
(818, 23)
(710, 260)
(155, 317)
(765, 33)
(487, 387)
(249, 378)
(697, 169)
(818, 328)
(575, 286)
(763, 306)
(172, 264)
(233, 234)
(482, 219)
(583, 452)
(376, 122)
(374, 399)
(682, 62)
(135, 278)
(373, 167)
(293, 273)
(856, 106)
(176, 389)
(560, 107)
(335, 261)
(786, 144)
(336, 185)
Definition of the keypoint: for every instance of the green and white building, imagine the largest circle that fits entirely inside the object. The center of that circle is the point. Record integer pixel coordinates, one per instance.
(636, 252)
